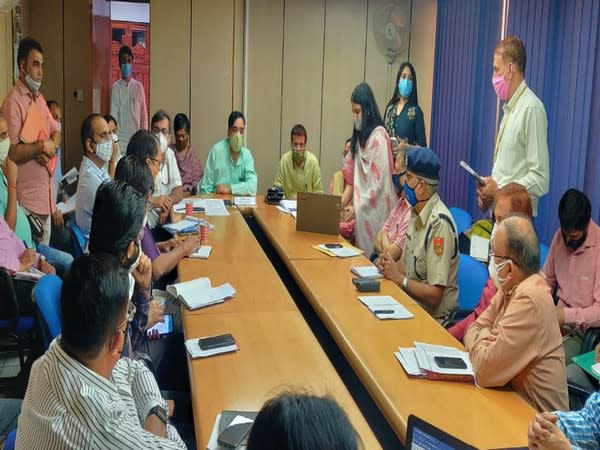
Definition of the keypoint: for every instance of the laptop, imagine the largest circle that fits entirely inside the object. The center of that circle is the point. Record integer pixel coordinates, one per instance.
(318, 213)
(421, 435)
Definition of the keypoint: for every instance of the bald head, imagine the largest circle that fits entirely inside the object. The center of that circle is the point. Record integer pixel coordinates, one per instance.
(519, 242)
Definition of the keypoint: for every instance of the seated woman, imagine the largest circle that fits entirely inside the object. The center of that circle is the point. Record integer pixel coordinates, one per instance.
(190, 167)
(373, 196)
(164, 255)
(338, 183)
(392, 236)
(293, 421)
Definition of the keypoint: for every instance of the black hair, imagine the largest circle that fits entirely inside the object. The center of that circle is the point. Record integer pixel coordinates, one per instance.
(92, 300)
(299, 130)
(293, 421)
(119, 211)
(160, 115)
(25, 46)
(110, 118)
(135, 172)
(414, 98)
(574, 211)
(363, 95)
(87, 131)
(235, 115)
(181, 122)
(125, 50)
(143, 144)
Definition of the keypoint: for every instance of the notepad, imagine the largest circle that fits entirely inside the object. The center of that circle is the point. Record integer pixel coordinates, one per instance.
(199, 293)
(370, 272)
(202, 253)
(385, 307)
(480, 248)
(212, 206)
(68, 206)
(345, 251)
(244, 201)
(195, 351)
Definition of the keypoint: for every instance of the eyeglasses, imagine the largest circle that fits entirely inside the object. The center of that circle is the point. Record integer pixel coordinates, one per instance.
(493, 255)
(130, 315)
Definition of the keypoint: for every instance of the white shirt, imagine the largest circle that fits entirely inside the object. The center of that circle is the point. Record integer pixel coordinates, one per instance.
(167, 179)
(522, 145)
(128, 106)
(69, 406)
(90, 178)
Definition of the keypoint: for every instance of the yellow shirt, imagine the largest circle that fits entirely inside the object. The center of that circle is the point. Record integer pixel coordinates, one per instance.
(293, 179)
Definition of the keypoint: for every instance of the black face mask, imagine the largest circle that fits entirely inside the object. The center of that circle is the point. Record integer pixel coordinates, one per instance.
(574, 245)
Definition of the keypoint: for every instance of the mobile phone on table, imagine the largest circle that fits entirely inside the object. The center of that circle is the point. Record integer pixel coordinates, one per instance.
(212, 342)
(333, 245)
(234, 435)
(448, 362)
(165, 327)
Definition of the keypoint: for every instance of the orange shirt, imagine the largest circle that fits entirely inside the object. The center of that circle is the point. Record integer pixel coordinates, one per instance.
(35, 187)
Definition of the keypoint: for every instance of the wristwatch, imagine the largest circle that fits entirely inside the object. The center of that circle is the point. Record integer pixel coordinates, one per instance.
(160, 412)
(405, 283)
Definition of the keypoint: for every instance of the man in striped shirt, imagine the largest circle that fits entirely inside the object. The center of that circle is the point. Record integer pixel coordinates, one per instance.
(568, 430)
(81, 393)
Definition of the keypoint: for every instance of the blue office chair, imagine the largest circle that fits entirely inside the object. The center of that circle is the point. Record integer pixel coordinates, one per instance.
(11, 440)
(46, 294)
(543, 254)
(462, 219)
(472, 276)
(77, 238)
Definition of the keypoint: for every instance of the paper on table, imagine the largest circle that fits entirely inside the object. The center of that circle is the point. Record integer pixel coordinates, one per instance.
(408, 359)
(480, 248)
(399, 313)
(212, 206)
(184, 224)
(198, 293)
(343, 252)
(427, 352)
(212, 443)
(288, 206)
(196, 352)
(366, 272)
(68, 206)
(377, 301)
(202, 253)
(244, 201)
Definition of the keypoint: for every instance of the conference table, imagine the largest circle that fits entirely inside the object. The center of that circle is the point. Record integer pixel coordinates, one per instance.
(484, 418)
(277, 350)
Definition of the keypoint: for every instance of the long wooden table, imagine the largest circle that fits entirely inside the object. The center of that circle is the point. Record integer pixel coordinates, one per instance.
(277, 349)
(485, 418)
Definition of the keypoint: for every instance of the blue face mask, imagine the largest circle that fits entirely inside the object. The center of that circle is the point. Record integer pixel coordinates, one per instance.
(405, 87)
(396, 181)
(126, 69)
(410, 195)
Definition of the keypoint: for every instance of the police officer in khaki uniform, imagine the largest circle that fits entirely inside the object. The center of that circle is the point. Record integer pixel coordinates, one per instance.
(428, 268)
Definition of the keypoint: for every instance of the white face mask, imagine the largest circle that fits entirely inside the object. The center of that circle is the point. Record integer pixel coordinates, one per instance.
(494, 270)
(131, 286)
(358, 123)
(163, 142)
(104, 150)
(114, 136)
(33, 85)
(145, 221)
(136, 263)
(4, 146)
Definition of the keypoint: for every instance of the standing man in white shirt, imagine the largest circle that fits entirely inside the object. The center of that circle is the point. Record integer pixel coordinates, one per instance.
(128, 101)
(82, 393)
(168, 188)
(521, 150)
(97, 144)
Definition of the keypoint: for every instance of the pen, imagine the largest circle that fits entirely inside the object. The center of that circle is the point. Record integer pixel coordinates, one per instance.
(384, 311)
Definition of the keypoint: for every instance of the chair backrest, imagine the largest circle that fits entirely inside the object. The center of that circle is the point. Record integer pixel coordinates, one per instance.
(46, 294)
(543, 254)
(11, 440)
(77, 237)
(472, 276)
(462, 219)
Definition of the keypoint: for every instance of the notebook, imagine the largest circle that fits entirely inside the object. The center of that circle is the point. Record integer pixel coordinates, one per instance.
(422, 435)
(199, 293)
(202, 253)
(370, 272)
(318, 213)
(385, 307)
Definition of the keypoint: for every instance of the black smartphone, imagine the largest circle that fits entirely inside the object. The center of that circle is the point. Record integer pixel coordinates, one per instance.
(222, 340)
(448, 362)
(333, 245)
(233, 435)
(228, 202)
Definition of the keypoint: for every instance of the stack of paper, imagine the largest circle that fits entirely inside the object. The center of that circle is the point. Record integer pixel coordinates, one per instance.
(68, 206)
(183, 226)
(345, 251)
(385, 307)
(244, 201)
(202, 253)
(196, 352)
(288, 206)
(211, 206)
(369, 272)
(421, 361)
(198, 293)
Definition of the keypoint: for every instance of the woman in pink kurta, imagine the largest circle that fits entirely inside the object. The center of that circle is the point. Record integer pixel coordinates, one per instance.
(371, 150)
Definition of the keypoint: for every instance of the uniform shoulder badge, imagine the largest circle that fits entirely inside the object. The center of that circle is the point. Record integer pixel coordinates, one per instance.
(438, 245)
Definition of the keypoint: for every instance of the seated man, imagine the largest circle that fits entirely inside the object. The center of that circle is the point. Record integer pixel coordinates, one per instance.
(428, 268)
(510, 199)
(97, 146)
(567, 430)
(517, 341)
(572, 269)
(230, 166)
(114, 135)
(299, 169)
(168, 181)
(82, 392)
(392, 236)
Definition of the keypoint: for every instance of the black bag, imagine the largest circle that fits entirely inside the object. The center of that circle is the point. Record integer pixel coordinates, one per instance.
(37, 228)
(274, 195)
